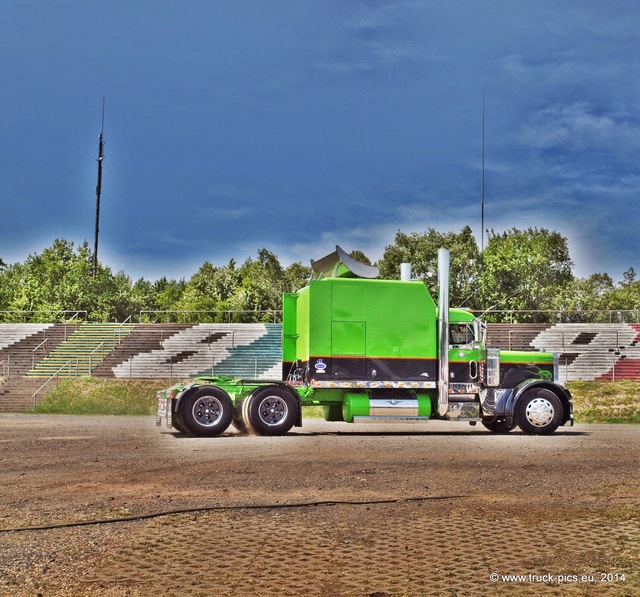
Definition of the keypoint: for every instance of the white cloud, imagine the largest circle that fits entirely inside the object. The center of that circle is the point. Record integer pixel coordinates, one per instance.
(578, 126)
(371, 37)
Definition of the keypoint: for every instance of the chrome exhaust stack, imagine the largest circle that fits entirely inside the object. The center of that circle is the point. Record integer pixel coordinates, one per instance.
(405, 272)
(443, 332)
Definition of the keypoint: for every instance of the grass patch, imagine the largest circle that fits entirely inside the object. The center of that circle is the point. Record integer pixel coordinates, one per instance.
(594, 402)
(606, 402)
(312, 412)
(93, 396)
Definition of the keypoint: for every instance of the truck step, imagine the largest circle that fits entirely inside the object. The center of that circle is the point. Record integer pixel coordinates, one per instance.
(463, 398)
(388, 419)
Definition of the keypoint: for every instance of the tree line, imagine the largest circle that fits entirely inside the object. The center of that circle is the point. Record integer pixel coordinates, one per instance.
(522, 275)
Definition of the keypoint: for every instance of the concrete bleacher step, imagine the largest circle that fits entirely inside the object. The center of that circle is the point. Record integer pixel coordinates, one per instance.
(591, 351)
(14, 333)
(25, 344)
(16, 394)
(83, 350)
(628, 369)
(144, 338)
(242, 350)
(514, 337)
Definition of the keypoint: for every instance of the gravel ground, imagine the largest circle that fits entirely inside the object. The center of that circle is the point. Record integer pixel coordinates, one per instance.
(329, 509)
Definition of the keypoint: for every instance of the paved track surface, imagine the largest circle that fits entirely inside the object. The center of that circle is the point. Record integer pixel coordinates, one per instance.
(329, 509)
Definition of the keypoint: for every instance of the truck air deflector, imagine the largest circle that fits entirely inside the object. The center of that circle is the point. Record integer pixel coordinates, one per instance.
(340, 265)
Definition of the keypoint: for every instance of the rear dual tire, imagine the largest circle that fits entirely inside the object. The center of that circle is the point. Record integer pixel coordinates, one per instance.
(207, 412)
(270, 410)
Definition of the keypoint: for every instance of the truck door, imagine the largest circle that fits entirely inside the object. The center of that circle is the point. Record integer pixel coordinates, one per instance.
(348, 349)
(464, 356)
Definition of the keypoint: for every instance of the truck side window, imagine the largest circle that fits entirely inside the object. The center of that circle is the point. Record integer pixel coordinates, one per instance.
(461, 334)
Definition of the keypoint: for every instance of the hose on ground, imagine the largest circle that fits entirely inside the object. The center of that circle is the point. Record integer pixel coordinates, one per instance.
(137, 517)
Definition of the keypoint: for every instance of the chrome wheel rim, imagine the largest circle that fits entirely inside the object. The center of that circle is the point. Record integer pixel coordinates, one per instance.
(273, 410)
(207, 411)
(539, 412)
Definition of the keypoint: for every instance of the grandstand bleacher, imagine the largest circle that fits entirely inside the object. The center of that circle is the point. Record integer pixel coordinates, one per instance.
(31, 353)
(23, 345)
(601, 351)
(185, 351)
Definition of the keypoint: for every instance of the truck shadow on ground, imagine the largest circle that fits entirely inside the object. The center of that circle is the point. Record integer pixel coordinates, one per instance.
(300, 434)
(434, 433)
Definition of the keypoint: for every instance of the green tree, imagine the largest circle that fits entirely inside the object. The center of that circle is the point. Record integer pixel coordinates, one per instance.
(526, 270)
(168, 293)
(626, 296)
(252, 292)
(296, 276)
(421, 250)
(596, 297)
(585, 296)
(210, 290)
(10, 286)
(263, 282)
(360, 256)
(59, 280)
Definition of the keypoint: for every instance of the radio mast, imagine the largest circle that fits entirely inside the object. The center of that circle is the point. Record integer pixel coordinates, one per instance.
(482, 193)
(98, 192)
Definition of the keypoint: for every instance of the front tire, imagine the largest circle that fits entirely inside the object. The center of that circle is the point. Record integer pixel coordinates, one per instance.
(207, 412)
(539, 412)
(270, 410)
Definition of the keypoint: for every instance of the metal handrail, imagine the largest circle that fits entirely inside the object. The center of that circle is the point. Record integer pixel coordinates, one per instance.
(228, 312)
(75, 315)
(68, 322)
(550, 315)
(5, 368)
(127, 320)
(54, 376)
(101, 347)
(59, 312)
(33, 352)
(568, 315)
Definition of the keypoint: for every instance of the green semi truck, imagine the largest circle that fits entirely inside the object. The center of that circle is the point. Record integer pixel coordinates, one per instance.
(367, 349)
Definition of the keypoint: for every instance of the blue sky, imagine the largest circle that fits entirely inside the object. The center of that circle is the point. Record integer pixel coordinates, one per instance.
(296, 125)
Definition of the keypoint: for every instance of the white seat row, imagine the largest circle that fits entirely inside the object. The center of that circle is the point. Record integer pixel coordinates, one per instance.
(189, 352)
(12, 333)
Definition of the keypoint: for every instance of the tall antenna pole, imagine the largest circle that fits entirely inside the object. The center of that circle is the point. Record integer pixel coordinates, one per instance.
(482, 210)
(98, 192)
